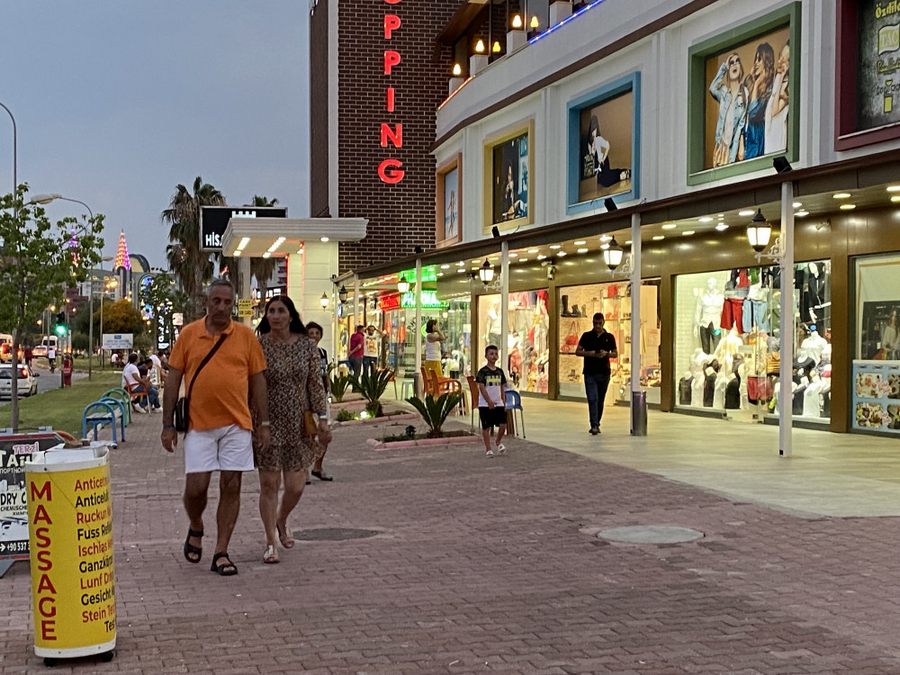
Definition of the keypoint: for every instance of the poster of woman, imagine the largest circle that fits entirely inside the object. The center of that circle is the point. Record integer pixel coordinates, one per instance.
(746, 114)
(451, 204)
(605, 130)
(510, 179)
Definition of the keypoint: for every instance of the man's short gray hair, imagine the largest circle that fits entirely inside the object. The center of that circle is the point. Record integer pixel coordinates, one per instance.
(220, 283)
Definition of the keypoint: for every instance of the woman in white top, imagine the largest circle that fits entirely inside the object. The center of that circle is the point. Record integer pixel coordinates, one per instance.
(433, 339)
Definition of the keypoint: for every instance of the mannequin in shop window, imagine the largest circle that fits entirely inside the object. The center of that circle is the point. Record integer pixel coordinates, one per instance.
(813, 347)
(707, 314)
(812, 292)
(890, 338)
(698, 377)
(492, 325)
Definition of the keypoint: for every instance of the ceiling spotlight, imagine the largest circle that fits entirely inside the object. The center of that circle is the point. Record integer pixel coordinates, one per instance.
(580, 242)
(802, 213)
(658, 237)
(746, 213)
(841, 195)
(669, 226)
(555, 247)
(582, 250)
(797, 205)
(721, 227)
(848, 207)
(687, 233)
(705, 219)
(561, 254)
(893, 188)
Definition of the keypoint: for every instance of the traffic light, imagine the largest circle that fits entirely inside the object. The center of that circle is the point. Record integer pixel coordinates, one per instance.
(61, 328)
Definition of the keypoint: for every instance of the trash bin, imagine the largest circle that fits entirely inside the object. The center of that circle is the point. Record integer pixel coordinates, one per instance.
(71, 547)
(67, 368)
(639, 413)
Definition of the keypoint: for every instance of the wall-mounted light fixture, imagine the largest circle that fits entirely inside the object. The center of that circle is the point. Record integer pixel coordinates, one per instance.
(342, 294)
(612, 255)
(759, 231)
(402, 284)
(486, 273)
(324, 301)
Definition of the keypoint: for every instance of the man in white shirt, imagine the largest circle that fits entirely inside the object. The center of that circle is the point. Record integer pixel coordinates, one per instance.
(134, 384)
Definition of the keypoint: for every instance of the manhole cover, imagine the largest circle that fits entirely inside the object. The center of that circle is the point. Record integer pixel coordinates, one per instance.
(335, 534)
(650, 534)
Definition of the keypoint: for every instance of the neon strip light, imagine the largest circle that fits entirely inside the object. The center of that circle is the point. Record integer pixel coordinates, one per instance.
(565, 21)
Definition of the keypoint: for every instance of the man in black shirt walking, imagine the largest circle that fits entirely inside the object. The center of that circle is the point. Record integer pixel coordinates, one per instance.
(597, 347)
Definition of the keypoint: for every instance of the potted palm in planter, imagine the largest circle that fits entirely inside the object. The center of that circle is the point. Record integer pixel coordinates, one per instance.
(372, 387)
(434, 411)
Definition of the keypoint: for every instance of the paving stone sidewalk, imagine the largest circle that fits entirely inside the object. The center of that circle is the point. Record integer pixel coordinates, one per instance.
(485, 565)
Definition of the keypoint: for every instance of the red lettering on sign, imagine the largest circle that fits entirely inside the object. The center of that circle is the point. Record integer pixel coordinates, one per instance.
(391, 23)
(45, 584)
(45, 492)
(43, 539)
(393, 2)
(44, 562)
(390, 99)
(391, 171)
(41, 515)
(391, 59)
(393, 136)
(44, 611)
(48, 629)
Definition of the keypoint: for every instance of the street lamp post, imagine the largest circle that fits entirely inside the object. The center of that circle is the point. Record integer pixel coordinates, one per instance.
(46, 199)
(15, 158)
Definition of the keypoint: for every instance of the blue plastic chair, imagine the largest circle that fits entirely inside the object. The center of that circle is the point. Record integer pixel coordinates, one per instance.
(514, 402)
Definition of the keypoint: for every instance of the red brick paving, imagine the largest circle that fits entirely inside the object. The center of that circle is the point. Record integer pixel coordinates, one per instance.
(486, 566)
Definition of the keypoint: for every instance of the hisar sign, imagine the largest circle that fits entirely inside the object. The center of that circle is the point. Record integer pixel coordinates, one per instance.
(214, 221)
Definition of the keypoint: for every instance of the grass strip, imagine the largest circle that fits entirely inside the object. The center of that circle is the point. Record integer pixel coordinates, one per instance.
(60, 408)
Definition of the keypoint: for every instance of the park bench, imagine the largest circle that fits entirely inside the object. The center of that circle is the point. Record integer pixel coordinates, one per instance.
(106, 411)
(119, 394)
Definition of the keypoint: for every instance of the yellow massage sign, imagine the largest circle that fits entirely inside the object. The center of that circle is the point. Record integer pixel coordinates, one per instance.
(71, 544)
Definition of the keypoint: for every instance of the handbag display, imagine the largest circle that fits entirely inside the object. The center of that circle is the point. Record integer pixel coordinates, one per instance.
(183, 404)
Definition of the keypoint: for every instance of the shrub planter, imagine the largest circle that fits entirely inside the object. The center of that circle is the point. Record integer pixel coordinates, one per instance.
(386, 418)
(464, 439)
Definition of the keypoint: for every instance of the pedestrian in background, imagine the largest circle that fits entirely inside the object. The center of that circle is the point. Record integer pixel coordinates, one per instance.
(491, 382)
(314, 331)
(357, 350)
(433, 339)
(219, 432)
(597, 347)
(294, 385)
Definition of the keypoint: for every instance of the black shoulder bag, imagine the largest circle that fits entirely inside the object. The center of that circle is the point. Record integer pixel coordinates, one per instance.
(182, 405)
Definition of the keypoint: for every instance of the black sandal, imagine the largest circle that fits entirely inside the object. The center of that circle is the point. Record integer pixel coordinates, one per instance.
(192, 553)
(226, 570)
(321, 475)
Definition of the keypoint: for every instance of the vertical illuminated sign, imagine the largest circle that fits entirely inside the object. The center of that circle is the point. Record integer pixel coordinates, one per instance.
(391, 170)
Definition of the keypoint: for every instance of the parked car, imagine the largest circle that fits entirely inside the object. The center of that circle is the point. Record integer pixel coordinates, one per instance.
(27, 381)
(6, 348)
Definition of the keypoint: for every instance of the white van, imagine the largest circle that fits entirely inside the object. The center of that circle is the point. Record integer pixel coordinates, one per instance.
(41, 349)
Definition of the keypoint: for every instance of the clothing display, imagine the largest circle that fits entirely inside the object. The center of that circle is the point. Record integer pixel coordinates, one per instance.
(734, 357)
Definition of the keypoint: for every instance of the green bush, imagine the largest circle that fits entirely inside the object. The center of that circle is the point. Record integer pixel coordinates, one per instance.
(345, 416)
(434, 411)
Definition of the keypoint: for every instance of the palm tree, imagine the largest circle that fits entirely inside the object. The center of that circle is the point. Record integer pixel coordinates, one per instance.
(262, 268)
(190, 265)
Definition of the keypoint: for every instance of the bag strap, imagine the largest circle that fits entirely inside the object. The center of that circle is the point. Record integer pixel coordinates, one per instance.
(205, 361)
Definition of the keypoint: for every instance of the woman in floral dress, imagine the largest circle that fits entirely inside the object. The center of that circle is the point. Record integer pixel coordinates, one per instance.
(294, 386)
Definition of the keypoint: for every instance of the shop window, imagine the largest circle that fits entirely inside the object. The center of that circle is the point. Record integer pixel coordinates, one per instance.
(876, 366)
(727, 348)
(578, 304)
(528, 351)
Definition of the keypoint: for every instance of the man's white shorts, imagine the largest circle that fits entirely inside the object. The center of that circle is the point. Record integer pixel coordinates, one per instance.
(223, 449)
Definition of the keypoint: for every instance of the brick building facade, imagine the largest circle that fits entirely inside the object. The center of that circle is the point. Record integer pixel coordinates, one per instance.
(347, 63)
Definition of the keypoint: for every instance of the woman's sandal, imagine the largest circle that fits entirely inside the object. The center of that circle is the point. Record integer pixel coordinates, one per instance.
(270, 557)
(192, 553)
(321, 475)
(285, 535)
(225, 570)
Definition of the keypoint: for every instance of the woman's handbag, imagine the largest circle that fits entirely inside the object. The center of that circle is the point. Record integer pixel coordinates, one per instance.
(183, 404)
(310, 424)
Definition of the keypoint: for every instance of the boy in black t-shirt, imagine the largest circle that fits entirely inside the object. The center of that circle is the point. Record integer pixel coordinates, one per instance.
(491, 401)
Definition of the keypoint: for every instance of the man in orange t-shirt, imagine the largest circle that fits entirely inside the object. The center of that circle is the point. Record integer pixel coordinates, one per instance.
(219, 432)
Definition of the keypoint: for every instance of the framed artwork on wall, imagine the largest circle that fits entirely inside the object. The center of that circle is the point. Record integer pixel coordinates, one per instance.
(448, 198)
(744, 97)
(508, 168)
(867, 73)
(604, 144)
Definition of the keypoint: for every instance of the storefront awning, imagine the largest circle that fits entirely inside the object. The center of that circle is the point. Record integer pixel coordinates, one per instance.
(253, 237)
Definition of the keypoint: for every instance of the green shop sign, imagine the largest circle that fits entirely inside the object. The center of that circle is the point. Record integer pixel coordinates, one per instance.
(429, 300)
